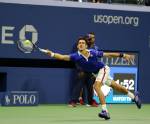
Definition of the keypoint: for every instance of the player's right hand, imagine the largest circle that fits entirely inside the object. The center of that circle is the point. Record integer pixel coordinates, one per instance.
(50, 53)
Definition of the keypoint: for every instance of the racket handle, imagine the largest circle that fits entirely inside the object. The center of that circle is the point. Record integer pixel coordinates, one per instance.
(43, 50)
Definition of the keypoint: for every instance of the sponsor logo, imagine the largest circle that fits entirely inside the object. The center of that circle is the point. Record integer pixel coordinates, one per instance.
(117, 61)
(24, 99)
(21, 98)
(121, 99)
(7, 100)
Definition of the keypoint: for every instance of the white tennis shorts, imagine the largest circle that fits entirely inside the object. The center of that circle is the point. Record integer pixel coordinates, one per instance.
(105, 89)
(104, 76)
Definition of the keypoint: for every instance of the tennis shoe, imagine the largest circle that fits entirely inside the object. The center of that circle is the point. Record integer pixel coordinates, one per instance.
(137, 100)
(104, 115)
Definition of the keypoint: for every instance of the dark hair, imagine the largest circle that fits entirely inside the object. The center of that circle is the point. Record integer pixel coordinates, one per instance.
(82, 38)
(89, 37)
(91, 33)
(86, 37)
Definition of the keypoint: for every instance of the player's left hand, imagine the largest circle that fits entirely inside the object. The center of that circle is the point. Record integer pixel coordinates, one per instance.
(128, 57)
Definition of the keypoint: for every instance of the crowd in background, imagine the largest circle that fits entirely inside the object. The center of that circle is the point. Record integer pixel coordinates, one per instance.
(136, 2)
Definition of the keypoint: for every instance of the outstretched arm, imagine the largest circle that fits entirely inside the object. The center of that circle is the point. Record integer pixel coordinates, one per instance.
(58, 56)
(125, 56)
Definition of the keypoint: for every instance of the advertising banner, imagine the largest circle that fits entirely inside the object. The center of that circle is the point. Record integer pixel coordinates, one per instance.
(20, 98)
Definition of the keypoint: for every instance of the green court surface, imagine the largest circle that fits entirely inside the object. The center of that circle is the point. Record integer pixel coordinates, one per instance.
(63, 114)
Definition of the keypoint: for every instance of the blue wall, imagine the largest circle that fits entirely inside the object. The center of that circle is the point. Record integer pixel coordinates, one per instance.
(58, 28)
(52, 84)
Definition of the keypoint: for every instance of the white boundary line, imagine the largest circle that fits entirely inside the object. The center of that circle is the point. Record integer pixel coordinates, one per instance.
(123, 7)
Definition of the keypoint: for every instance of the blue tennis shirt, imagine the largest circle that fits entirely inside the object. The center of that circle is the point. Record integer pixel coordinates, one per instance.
(90, 64)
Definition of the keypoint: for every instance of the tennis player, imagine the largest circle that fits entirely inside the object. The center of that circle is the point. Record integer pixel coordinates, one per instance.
(87, 59)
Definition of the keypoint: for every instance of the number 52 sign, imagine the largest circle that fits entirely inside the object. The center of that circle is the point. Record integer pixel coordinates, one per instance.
(125, 79)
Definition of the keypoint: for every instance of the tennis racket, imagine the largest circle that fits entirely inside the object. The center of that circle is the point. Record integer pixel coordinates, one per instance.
(26, 46)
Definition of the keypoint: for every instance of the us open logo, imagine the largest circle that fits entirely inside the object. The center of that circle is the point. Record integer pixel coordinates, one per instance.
(8, 36)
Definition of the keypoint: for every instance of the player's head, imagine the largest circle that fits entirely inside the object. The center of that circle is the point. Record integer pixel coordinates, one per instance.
(91, 38)
(82, 44)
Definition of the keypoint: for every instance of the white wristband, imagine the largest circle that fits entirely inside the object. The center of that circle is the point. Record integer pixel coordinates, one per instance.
(52, 54)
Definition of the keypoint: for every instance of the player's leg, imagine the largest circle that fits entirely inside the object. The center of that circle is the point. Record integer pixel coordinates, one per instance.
(104, 113)
(97, 87)
(122, 89)
(100, 79)
(119, 87)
